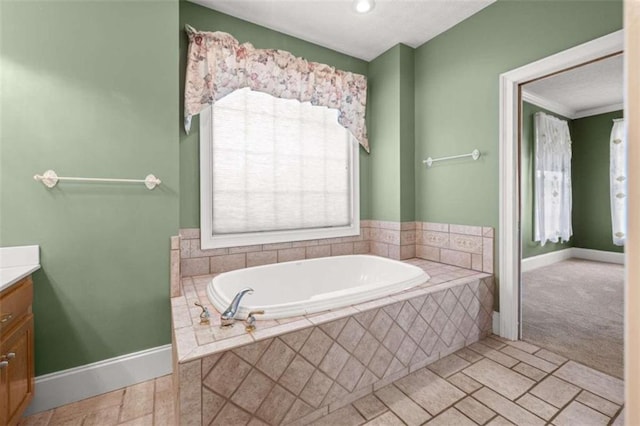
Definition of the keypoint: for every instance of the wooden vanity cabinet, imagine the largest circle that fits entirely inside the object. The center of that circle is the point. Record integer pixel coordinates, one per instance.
(16, 351)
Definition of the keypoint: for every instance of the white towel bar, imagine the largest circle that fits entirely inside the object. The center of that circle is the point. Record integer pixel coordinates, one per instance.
(475, 154)
(51, 179)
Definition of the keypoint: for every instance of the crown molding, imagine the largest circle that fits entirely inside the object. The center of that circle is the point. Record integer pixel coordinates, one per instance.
(565, 111)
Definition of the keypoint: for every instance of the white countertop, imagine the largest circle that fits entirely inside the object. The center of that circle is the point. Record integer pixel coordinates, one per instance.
(16, 263)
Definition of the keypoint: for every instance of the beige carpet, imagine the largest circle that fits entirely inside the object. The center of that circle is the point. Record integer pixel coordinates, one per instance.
(576, 308)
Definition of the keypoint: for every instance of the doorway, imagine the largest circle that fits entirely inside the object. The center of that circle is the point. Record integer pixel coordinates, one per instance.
(509, 241)
(572, 264)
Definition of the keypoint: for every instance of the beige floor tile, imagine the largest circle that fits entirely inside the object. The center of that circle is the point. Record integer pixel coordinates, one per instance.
(138, 401)
(533, 360)
(387, 419)
(74, 421)
(451, 417)
(502, 380)
(551, 357)
(493, 343)
(509, 410)
(523, 346)
(81, 408)
(605, 407)
(469, 355)
(537, 406)
(433, 393)
(555, 391)
(594, 381)
(474, 410)
(529, 371)
(370, 406)
(464, 382)
(480, 348)
(105, 417)
(402, 406)
(501, 358)
(499, 421)
(39, 419)
(448, 365)
(344, 416)
(163, 409)
(578, 414)
(140, 421)
(619, 421)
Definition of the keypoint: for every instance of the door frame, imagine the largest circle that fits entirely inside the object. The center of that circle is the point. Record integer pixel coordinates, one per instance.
(509, 238)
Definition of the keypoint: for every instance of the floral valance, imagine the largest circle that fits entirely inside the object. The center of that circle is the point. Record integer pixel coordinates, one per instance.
(217, 64)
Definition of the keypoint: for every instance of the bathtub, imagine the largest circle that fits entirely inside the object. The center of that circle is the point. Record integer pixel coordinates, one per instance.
(303, 287)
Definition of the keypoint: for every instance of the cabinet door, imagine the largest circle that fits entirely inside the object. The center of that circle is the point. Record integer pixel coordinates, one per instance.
(17, 375)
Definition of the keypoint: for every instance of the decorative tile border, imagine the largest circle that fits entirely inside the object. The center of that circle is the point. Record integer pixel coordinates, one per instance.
(465, 246)
(295, 377)
(470, 247)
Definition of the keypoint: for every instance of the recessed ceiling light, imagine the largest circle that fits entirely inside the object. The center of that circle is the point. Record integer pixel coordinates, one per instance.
(363, 6)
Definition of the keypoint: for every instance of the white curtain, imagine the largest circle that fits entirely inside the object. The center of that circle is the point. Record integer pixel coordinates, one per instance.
(618, 181)
(552, 200)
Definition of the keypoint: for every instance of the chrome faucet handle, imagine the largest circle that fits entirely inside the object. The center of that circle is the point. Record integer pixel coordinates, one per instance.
(250, 322)
(227, 318)
(204, 315)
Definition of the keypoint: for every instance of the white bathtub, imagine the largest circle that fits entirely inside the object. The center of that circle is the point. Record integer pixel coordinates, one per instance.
(307, 286)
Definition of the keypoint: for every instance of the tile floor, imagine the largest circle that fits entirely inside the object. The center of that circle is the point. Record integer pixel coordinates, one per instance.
(491, 382)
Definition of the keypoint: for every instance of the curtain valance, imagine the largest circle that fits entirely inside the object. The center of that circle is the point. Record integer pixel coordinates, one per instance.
(217, 64)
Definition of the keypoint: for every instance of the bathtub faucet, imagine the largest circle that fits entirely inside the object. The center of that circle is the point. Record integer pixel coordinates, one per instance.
(228, 316)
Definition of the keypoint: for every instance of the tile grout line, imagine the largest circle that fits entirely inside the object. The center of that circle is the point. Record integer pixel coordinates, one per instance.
(484, 386)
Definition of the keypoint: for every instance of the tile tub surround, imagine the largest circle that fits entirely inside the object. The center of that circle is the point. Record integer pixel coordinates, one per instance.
(295, 370)
(468, 247)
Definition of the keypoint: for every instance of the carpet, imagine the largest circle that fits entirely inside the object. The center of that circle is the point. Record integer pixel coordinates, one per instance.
(576, 309)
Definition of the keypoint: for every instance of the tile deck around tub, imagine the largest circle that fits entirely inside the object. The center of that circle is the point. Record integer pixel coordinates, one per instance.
(193, 340)
(463, 401)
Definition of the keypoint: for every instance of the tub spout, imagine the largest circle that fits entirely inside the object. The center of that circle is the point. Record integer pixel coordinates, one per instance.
(228, 316)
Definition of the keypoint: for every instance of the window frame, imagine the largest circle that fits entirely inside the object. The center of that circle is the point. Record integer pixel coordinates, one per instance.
(208, 240)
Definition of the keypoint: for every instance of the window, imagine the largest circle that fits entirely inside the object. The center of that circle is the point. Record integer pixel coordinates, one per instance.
(275, 170)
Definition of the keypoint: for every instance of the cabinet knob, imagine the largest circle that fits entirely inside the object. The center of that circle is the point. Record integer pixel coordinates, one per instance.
(7, 357)
(5, 317)
(3, 364)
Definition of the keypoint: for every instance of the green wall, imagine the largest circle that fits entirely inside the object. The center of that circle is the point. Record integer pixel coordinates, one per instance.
(456, 95)
(205, 19)
(591, 203)
(407, 135)
(391, 115)
(527, 157)
(89, 88)
(384, 86)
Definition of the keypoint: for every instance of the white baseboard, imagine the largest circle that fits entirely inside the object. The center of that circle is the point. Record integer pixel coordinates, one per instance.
(598, 255)
(546, 259)
(496, 323)
(63, 387)
(573, 252)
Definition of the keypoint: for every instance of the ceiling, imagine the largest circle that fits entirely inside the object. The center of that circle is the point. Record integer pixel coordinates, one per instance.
(334, 24)
(591, 89)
